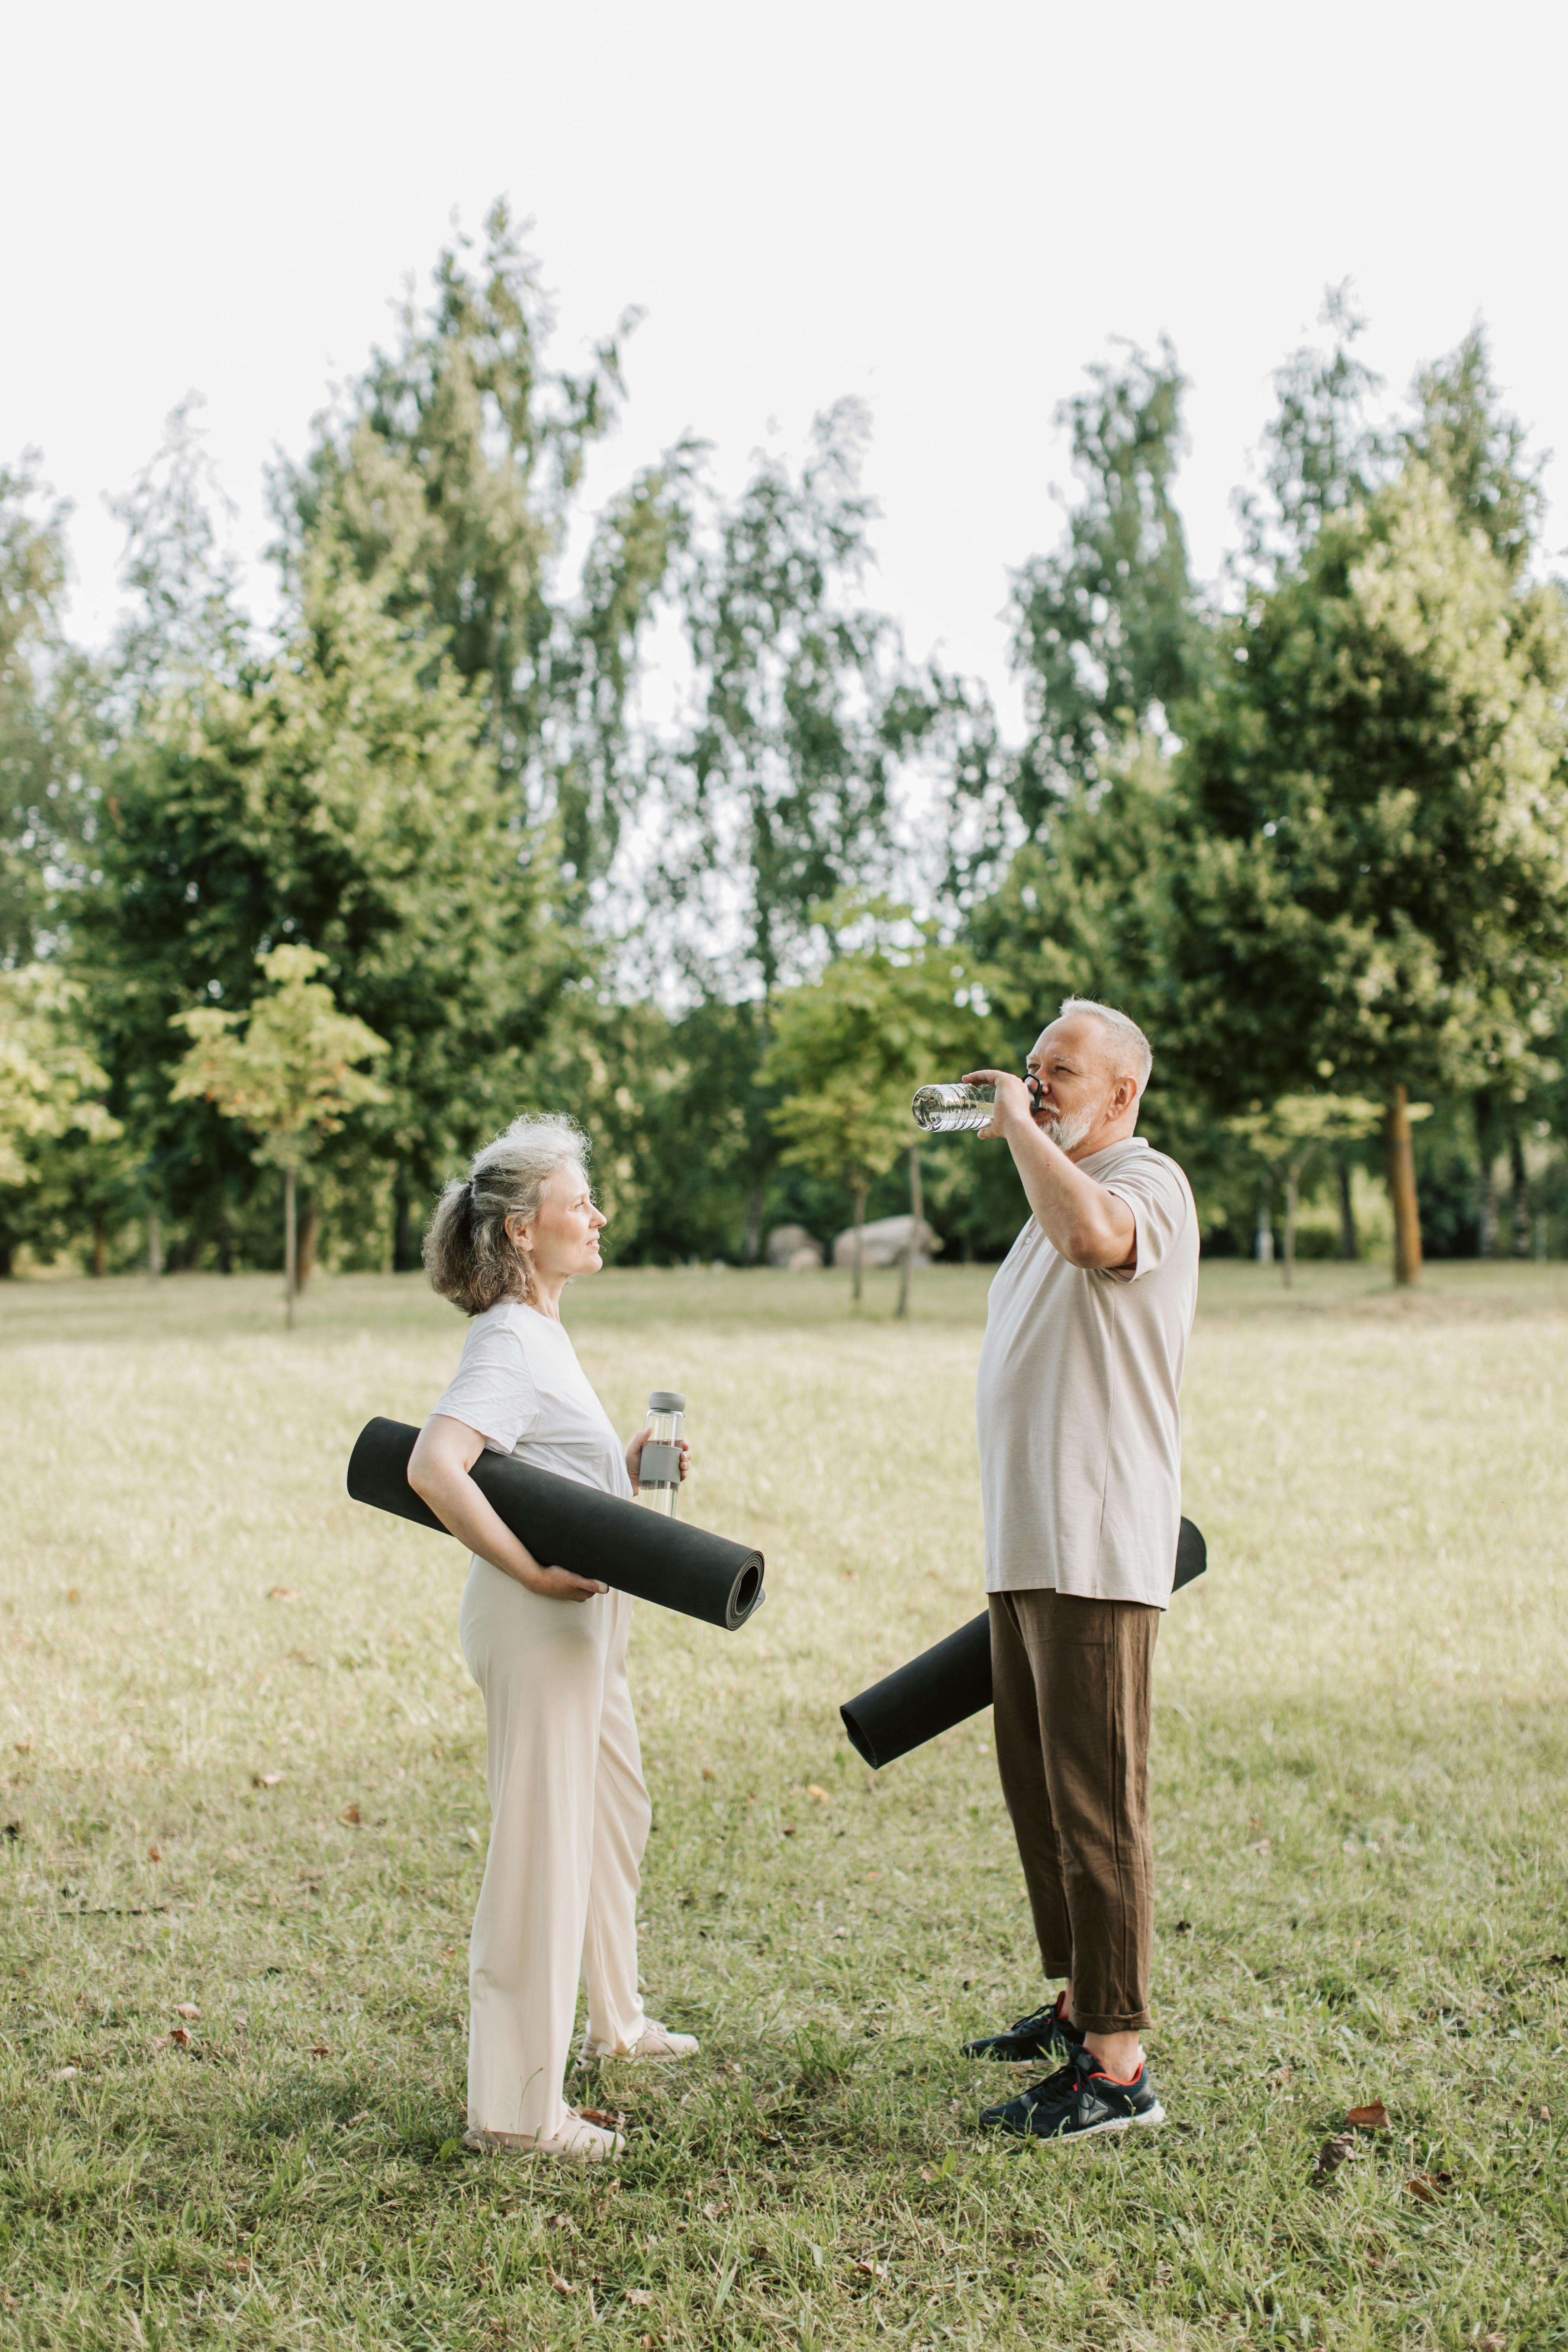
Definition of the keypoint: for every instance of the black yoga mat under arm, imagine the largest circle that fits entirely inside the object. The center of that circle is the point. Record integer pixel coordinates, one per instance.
(948, 1684)
(565, 1525)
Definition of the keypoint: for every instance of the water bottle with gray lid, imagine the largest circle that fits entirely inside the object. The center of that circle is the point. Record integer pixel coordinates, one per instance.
(953, 1109)
(659, 1477)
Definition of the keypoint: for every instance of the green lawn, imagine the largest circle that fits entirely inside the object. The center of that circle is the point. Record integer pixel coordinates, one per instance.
(1361, 1819)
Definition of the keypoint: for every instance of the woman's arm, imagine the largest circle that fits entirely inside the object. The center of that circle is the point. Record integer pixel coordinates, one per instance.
(444, 1453)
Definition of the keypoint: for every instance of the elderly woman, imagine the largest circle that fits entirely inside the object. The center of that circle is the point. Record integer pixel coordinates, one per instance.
(569, 1813)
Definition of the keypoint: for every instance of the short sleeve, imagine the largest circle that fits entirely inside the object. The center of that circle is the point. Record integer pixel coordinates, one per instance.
(494, 1392)
(1154, 1190)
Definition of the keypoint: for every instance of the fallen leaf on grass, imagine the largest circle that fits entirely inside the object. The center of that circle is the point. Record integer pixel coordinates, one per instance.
(820, 1795)
(186, 2009)
(350, 1813)
(179, 2035)
(1341, 2150)
(66, 2074)
(562, 2287)
(318, 2049)
(153, 1855)
(603, 2116)
(708, 1771)
(639, 2295)
(282, 1593)
(265, 1779)
(872, 2269)
(1374, 2117)
(1430, 2186)
(1497, 2343)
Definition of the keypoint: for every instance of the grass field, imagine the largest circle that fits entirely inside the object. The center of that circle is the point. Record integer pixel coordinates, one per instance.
(271, 1810)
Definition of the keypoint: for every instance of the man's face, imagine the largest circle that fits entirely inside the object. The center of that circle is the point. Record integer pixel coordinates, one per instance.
(1070, 1080)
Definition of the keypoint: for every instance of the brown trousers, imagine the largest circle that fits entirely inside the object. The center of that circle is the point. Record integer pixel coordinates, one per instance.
(1070, 1680)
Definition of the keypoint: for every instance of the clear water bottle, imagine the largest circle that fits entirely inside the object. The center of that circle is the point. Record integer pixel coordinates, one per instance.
(658, 1479)
(952, 1110)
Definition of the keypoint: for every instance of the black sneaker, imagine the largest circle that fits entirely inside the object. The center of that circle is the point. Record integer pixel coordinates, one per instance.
(1076, 2101)
(1049, 2034)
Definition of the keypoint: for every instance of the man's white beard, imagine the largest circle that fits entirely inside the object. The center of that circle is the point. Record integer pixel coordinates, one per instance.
(1068, 1132)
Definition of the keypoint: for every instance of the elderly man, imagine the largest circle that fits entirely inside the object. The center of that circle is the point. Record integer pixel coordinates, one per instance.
(1080, 1475)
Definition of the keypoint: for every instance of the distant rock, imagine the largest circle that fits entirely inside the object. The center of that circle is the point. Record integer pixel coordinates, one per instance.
(793, 1248)
(887, 1239)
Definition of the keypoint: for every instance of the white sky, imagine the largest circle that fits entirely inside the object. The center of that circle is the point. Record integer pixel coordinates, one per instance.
(944, 210)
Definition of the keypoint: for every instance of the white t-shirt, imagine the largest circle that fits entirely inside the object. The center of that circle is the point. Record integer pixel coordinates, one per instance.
(521, 1386)
(1076, 1398)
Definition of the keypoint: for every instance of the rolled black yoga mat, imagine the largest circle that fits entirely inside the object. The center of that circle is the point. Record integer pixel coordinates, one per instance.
(948, 1684)
(565, 1525)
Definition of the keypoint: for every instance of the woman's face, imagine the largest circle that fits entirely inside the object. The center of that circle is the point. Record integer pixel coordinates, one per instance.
(563, 1239)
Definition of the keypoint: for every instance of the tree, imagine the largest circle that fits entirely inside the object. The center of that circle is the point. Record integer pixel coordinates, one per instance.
(1291, 1132)
(50, 1085)
(467, 411)
(893, 1007)
(780, 796)
(288, 1072)
(338, 797)
(1371, 883)
(1108, 637)
(47, 692)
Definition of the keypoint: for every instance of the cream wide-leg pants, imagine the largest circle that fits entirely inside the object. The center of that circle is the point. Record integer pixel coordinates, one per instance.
(569, 1820)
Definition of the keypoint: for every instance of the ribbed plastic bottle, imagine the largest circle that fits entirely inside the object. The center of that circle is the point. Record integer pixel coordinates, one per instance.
(953, 1109)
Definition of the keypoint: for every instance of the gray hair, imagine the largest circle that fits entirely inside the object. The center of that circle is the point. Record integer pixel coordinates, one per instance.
(469, 1254)
(1130, 1044)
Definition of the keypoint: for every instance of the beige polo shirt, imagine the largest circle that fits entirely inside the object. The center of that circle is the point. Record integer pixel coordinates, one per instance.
(1077, 1398)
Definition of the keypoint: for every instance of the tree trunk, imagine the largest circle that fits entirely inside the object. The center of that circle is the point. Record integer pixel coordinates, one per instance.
(290, 1259)
(405, 1252)
(1482, 1112)
(1401, 1188)
(859, 1242)
(100, 1247)
(155, 1246)
(1292, 1203)
(1263, 1244)
(224, 1244)
(756, 1208)
(309, 1224)
(917, 1219)
(1520, 1191)
(1349, 1241)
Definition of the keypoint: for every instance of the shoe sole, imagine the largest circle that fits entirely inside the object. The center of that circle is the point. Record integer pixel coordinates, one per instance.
(1154, 2114)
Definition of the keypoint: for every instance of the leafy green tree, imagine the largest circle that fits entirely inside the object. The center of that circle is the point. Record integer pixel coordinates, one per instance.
(783, 795)
(1108, 635)
(1373, 883)
(46, 700)
(286, 1071)
(893, 1007)
(1327, 447)
(339, 797)
(466, 411)
(51, 1087)
(1294, 1130)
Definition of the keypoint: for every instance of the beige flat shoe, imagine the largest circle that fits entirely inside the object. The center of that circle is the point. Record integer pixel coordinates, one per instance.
(578, 2141)
(655, 2042)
